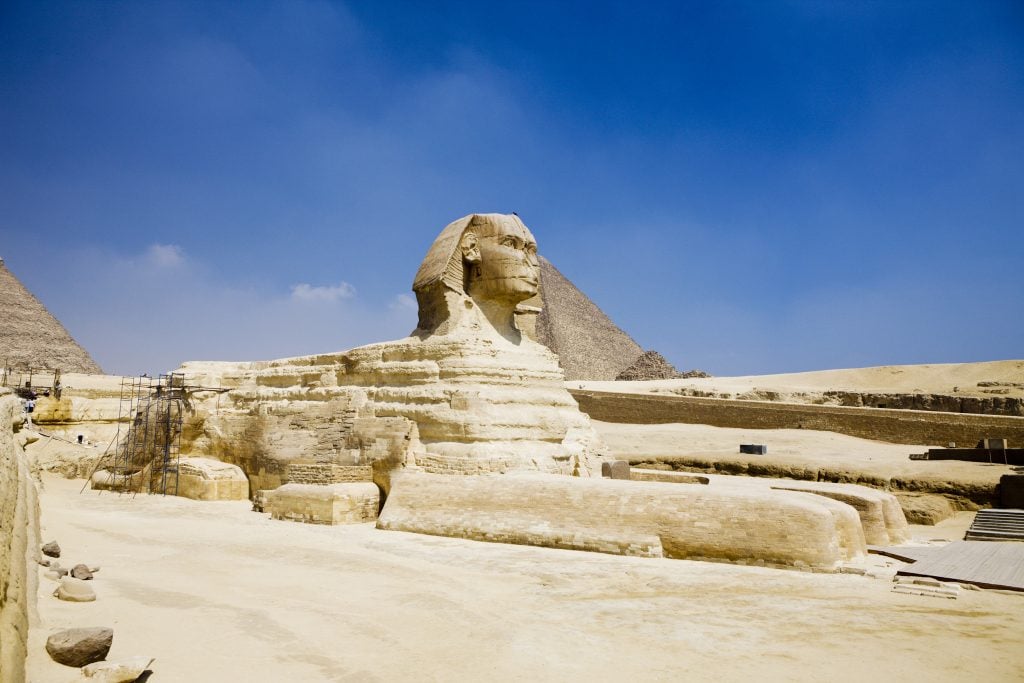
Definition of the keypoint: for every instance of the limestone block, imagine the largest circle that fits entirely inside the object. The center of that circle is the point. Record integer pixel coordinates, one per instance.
(327, 473)
(880, 512)
(335, 504)
(120, 671)
(617, 469)
(925, 508)
(629, 518)
(74, 590)
(104, 480)
(208, 479)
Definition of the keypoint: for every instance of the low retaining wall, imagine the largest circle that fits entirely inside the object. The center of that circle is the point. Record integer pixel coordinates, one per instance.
(652, 519)
(19, 543)
(880, 424)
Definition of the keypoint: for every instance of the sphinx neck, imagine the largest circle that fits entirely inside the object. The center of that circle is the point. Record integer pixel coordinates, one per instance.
(502, 318)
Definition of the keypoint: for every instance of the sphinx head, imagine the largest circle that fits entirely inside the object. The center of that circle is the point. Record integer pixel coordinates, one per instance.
(489, 260)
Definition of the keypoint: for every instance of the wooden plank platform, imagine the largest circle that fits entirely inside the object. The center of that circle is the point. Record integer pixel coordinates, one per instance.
(988, 564)
(906, 553)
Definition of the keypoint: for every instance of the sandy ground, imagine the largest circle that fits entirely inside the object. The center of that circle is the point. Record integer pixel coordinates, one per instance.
(791, 447)
(218, 593)
(907, 379)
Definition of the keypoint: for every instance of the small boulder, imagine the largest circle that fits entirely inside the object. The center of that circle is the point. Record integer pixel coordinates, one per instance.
(121, 671)
(80, 646)
(80, 571)
(74, 590)
(51, 549)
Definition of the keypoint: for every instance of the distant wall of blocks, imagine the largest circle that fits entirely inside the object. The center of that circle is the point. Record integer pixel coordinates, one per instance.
(881, 424)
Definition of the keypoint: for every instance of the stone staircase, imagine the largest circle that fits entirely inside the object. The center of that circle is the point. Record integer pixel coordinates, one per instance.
(997, 525)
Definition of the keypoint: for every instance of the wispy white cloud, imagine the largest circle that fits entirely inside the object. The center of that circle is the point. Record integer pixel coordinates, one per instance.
(164, 255)
(154, 325)
(307, 292)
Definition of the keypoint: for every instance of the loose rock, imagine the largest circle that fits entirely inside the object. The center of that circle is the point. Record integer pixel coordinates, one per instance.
(80, 646)
(80, 571)
(121, 671)
(74, 590)
(51, 549)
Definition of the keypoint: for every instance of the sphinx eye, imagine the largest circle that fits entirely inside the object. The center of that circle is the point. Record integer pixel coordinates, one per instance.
(508, 241)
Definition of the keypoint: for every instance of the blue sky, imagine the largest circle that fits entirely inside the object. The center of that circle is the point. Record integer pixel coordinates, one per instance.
(747, 187)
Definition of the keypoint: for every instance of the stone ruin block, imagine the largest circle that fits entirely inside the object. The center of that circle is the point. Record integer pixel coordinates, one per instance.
(328, 473)
(208, 479)
(616, 469)
(350, 503)
(753, 449)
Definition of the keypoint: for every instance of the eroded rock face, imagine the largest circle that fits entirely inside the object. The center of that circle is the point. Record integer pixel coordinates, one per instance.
(19, 541)
(468, 392)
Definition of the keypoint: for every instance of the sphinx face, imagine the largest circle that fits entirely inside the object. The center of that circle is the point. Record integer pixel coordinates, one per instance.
(508, 270)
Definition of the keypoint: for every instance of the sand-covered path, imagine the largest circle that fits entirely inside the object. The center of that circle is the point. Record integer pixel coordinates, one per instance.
(218, 593)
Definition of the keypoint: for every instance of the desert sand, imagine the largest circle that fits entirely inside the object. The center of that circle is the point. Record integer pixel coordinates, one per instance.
(791, 447)
(929, 379)
(216, 592)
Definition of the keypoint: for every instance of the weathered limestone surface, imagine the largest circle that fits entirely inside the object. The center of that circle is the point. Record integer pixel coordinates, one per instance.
(19, 543)
(880, 512)
(317, 504)
(637, 474)
(208, 479)
(467, 393)
(629, 518)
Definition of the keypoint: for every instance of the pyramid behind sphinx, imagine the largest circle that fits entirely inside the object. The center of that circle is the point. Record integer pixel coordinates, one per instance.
(31, 337)
(589, 345)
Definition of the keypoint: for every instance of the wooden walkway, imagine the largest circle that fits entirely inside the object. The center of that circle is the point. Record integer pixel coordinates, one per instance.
(988, 564)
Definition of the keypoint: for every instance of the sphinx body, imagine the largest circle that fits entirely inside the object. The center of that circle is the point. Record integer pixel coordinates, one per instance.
(468, 392)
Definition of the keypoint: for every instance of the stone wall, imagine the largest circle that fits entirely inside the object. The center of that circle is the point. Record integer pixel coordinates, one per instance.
(881, 424)
(350, 503)
(651, 519)
(328, 473)
(19, 543)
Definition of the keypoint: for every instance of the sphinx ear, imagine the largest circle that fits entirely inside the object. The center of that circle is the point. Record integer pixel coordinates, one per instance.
(470, 248)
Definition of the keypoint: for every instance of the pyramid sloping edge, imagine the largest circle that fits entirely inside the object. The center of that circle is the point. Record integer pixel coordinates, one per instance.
(589, 345)
(30, 336)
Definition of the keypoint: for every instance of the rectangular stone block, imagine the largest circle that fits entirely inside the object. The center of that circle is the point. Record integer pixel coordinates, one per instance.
(617, 469)
(351, 503)
(753, 449)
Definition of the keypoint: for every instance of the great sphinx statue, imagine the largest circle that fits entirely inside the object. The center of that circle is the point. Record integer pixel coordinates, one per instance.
(464, 428)
(467, 392)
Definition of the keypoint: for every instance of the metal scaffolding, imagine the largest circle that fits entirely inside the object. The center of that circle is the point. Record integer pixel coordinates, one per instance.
(28, 381)
(147, 454)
